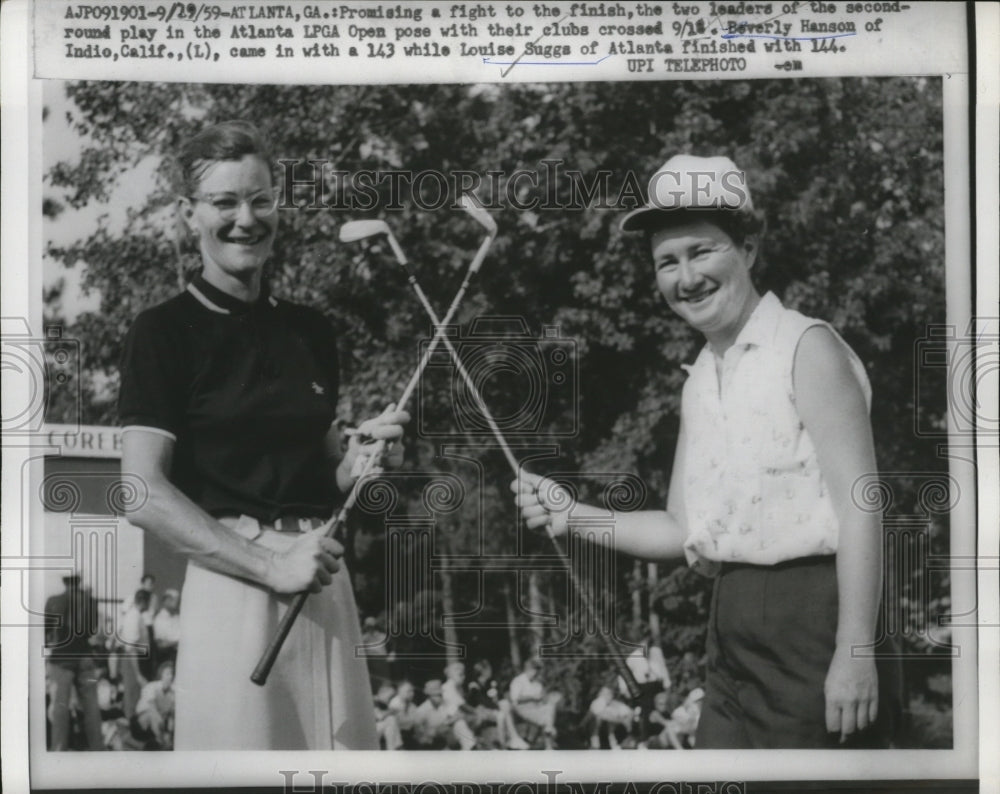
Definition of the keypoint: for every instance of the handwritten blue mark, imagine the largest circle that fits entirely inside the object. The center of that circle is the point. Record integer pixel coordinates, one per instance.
(545, 63)
(785, 38)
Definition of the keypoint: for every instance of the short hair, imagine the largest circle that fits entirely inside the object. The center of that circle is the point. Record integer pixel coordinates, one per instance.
(227, 140)
(163, 666)
(482, 666)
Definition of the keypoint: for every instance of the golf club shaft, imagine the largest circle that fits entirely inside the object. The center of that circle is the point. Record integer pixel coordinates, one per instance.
(631, 683)
(267, 659)
(464, 374)
(623, 668)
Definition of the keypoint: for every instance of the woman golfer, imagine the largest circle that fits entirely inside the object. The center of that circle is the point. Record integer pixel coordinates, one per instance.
(227, 401)
(774, 434)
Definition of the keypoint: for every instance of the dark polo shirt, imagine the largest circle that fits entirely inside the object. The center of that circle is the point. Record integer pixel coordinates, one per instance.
(248, 392)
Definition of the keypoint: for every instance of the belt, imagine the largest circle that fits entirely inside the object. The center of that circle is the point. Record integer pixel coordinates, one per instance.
(294, 524)
(252, 528)
(798, 562)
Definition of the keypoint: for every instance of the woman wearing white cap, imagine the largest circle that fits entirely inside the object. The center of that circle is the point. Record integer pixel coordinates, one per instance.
(774, 435)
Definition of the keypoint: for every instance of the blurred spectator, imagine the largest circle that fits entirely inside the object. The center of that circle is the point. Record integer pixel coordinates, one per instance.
(648, 665)
(436, 727)
(167, 627)
(71, 624)
(134, 645)
(660, 730)
(684, 720)
(611, 716)
(153, 722)
(375, 647)
(532, 703)
(404, 710)
(114, 726)
(109, 644)
(453, 688)
(148, 663)
(482, 695)
(386, 724)
(689, 670)
(148, 583)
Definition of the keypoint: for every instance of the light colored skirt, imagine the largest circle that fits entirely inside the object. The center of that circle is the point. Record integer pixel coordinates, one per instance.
(318, 696)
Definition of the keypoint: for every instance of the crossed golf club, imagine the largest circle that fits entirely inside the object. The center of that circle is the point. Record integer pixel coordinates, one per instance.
(353, 231)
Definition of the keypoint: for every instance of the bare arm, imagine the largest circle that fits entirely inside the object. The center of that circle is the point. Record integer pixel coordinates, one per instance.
(174, 518)
(649, 534)
(833, 410)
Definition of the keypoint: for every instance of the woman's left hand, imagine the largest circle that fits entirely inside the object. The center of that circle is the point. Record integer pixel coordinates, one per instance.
(851, 693)
(387, 427)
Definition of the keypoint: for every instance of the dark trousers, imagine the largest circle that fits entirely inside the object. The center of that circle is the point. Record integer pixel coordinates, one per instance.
(771, 637)
(65, 675)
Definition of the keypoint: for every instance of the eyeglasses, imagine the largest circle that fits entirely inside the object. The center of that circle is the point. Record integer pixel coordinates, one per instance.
(228, 205)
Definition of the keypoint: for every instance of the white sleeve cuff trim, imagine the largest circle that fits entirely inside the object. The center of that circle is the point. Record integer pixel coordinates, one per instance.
(158, 430)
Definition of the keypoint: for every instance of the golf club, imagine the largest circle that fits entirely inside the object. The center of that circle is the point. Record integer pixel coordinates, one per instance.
(351, 232)
(482, 217)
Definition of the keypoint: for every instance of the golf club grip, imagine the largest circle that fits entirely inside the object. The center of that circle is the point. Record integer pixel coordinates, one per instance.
(267, 659)
(270, 655)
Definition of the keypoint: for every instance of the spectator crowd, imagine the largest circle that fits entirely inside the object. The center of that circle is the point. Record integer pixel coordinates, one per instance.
(472, 711)
(110, 672)
(109, 686)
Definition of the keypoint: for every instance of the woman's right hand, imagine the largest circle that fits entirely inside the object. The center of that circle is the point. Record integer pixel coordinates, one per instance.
(543, 502)
(308, 563)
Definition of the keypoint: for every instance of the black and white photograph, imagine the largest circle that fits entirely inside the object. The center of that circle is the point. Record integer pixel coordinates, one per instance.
(532, 430)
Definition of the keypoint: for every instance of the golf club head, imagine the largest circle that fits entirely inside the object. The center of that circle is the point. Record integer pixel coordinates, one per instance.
(352, 231)
(478, 214)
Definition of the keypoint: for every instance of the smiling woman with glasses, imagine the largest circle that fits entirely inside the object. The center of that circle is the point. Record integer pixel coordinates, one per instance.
(229, 205)
(228, 399)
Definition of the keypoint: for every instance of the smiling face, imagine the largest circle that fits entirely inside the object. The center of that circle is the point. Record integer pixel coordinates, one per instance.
(705, 277)
(232, 250)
